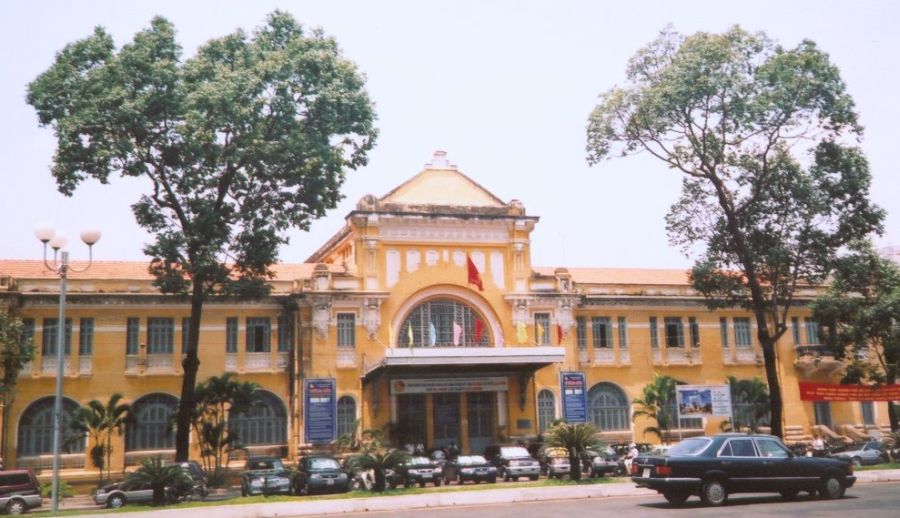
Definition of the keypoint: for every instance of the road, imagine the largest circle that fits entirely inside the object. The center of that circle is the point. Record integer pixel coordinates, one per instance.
(869, 500)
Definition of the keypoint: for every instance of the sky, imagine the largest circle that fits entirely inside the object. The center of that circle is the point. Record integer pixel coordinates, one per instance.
(505, 88)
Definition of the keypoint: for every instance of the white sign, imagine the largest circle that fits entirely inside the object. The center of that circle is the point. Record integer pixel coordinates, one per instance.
(441, 385)
(703, 400)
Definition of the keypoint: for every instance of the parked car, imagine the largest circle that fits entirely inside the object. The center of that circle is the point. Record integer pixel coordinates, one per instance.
(417, 470)
(469, 467)
(117, 495)
(602, 461)
(714, 467)
(861, 454)
(19, 491)
(198, 476)
(265, 475)
(320, 474)
(554, 461)
(512, 462)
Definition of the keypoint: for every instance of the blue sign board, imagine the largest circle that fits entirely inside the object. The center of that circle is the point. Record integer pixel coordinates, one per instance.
(320, 410)
(574, 397)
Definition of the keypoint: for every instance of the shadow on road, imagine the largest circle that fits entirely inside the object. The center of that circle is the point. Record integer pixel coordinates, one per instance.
(694, 503)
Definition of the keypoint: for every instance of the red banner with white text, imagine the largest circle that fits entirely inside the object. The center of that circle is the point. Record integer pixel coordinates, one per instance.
(835, 392)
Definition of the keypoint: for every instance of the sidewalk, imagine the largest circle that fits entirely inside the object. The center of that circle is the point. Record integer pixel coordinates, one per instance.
(302, 507)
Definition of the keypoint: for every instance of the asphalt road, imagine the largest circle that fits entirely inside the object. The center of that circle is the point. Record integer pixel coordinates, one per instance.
(869, 500)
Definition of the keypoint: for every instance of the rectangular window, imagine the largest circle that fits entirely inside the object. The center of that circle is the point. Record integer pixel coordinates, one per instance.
(581, 332)
(695, 332)
(654, 333)
(795, 329)
(285, 333)
(823, 413)
(812, 332)
(674, 332)
(346, 330)
(602, 329)
(231, 335)
(868, 412)
(542, 328)
(132, 335)
(86, 336)
(185, 333)
(723, 331)
(160, 335)
(48, 346)
(742, 336)
(258, 331)
(623, 333)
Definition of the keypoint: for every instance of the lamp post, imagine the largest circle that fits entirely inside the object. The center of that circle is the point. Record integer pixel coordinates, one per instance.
(60, 265)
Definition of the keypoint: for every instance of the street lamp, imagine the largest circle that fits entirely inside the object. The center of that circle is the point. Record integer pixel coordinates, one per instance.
(60, 265)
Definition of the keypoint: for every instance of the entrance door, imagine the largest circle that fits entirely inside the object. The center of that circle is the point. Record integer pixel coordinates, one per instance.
(480, 407)
(446, 419)
(410, 428)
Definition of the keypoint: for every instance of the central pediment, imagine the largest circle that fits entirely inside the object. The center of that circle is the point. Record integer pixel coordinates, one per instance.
(441, 184)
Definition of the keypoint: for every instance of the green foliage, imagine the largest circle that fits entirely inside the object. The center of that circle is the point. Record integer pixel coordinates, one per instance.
(860, 316)
(65, 489)
(369, 440)
(576, 438)
(166, 480)
(771, 189)
(378, 461)
(216, 398)
(754, 393)
(656, 403)
(246, 138)
(98, 422)
(16, 350)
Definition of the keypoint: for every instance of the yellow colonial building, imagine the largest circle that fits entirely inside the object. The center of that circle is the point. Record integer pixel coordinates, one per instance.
(425, 316)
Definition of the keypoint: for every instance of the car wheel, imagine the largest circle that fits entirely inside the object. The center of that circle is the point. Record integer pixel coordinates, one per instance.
(789, 494)
(676, 497)
(831, 489)
(713, 493)
(533, 477)
(15, 507)
(856, 461)
(492, 480)
(116, 501)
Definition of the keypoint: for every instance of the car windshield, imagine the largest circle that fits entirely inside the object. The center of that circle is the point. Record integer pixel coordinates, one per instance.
(418, 461)
(324, 464)
(514, 451)
(262, 464)
(468, 460)
(691, 446)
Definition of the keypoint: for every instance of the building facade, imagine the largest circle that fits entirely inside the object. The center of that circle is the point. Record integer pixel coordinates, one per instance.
(423, 316)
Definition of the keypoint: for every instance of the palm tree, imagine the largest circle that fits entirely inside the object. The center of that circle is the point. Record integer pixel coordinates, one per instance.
(753, 396)
(576, 438)
(156, 474)
(656, 403)
(378, 461)
(98, 422)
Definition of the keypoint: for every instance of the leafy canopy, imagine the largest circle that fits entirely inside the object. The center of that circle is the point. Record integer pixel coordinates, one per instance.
(16, 350)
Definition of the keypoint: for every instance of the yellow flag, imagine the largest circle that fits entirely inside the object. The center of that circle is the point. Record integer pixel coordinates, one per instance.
(410, 335)
(521, 332)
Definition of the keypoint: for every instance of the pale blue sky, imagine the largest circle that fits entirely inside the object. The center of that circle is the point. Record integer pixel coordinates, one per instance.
(504, 87)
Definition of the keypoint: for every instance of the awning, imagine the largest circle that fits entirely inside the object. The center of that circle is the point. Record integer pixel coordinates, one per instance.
(496, 359)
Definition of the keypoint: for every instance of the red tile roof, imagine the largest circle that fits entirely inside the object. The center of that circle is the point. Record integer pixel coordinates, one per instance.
(132, 270)
(641, 276)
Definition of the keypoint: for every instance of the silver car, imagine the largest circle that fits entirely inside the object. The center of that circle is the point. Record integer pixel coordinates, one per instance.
(861, 454)
(114, 496)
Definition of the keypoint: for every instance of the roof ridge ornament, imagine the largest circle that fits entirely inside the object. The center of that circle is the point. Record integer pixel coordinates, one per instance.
(439, 161)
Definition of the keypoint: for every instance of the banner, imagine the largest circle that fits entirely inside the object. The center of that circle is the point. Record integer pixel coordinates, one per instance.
(574, 397)
(835, 392)
(445, 385)
(320, 410)
(703, 400)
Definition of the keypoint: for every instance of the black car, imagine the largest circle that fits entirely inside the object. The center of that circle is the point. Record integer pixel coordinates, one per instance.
(469, 467)
(512, 462)
(417, 470)
(320, 474)
(713, 467)
(265, 475)
(602, 461)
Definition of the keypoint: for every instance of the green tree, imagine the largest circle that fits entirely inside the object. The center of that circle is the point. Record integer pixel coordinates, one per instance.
(576, 438)
(656, 402)
(99, 422)
(16, 350)
(860, 314)
(378, 461)
(771, 189)
(165, 479)
(217, 398)
(754, 394)
(249, 137)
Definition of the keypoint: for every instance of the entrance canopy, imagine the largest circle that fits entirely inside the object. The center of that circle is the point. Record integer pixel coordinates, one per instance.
(496, 359)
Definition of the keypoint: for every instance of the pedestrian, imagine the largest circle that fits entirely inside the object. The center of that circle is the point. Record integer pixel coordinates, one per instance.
(818, 446)
(453, 450)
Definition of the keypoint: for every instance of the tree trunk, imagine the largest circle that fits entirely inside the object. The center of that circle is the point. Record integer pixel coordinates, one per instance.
(190, 364)
(574, 465)
(776, 406)
(892, 415)
(379, 480)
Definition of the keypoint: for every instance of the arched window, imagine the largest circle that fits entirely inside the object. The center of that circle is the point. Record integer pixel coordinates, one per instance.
(36, 428)
(151, 430)
(546, 409)
(265, 422)
(608, 407)
(443, 323)
(346, 415)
